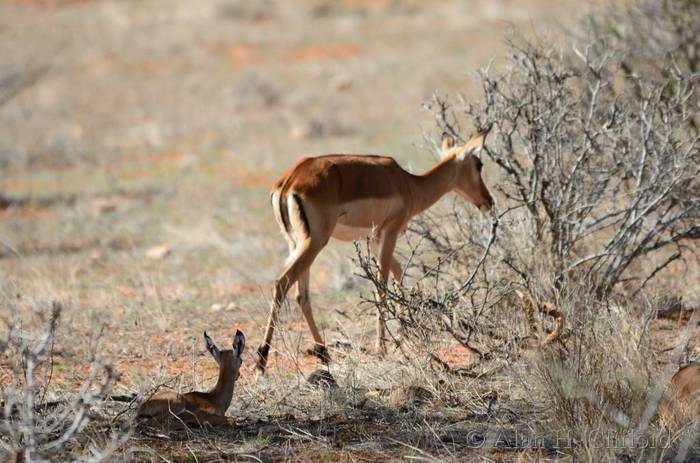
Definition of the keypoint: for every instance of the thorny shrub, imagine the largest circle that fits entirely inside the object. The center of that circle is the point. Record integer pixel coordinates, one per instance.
(35, 428)
(595, 158)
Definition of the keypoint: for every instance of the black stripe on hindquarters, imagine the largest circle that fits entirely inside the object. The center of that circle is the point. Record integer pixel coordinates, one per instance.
(282, 206)
(302, 213)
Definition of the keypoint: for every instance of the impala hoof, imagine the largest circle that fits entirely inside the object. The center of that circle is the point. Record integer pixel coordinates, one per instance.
(263, 351)
(321, 352)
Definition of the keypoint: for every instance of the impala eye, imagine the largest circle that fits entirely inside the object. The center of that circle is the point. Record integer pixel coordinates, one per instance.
(479, 164)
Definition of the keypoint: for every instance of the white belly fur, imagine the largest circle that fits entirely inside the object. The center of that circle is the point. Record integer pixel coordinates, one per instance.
(346, 233)
(360, 219)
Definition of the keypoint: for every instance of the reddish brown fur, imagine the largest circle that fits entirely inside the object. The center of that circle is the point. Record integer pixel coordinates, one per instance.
(352, 196)
(681, 402)
(198, 407)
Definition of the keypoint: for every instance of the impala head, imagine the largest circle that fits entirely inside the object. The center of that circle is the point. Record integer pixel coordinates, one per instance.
(470, 185)
(229, 356)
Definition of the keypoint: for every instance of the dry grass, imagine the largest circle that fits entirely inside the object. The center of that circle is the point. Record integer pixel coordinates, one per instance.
(137, 144)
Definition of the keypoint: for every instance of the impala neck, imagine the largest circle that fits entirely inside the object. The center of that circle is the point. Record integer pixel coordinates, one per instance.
(223, 390)
(429, 187)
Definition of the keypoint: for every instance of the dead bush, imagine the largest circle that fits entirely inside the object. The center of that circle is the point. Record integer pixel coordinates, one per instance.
(71, 426)
(598, 391)
(603, 176)
(647, 33)
(595, 154)
(599, 193)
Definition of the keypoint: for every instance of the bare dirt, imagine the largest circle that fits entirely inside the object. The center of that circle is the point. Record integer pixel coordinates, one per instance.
(165, 125)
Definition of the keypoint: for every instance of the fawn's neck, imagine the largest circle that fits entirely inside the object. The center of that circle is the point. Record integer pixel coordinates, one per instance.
(222, 392)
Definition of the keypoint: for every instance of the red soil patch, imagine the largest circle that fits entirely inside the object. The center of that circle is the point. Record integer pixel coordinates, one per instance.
(207, 370)
(126, 167)
(238, 54)
(152, 68)
(13, 185)
(136, 168)
(321, 279)
(237, 289)
(457, 356)
(240, 176)
(255, 180)
(324, 52)
(17, 186)
(25, 213)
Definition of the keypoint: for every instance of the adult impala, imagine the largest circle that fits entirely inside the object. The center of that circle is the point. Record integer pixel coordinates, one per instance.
(350, 197)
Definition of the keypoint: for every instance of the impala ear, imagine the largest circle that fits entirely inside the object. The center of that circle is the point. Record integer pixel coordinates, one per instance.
(211, 347)
(448, 142)
(238, 343)
(238, 346)
(474, 144)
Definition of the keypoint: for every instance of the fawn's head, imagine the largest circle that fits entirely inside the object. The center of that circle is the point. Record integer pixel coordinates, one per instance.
(229, 357)
(470, 185)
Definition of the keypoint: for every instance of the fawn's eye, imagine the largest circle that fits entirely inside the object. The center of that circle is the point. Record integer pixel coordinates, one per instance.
(479, 164)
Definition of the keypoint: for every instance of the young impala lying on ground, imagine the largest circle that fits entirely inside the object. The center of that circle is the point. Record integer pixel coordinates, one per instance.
(681, 402)
(200, 407)
(350, 197)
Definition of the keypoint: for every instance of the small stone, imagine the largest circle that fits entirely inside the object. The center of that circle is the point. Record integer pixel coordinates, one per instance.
(323, 379)
(298, 132)
(103, 205)
(410, 396)
(341, 83)
(158, 252)
(305, 130)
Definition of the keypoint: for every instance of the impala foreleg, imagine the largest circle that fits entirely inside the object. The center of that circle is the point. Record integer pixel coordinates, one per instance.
(387, 263)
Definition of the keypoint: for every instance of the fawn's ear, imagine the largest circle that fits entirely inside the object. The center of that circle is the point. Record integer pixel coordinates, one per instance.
(238, 344)
(448, 141)
(211, 347)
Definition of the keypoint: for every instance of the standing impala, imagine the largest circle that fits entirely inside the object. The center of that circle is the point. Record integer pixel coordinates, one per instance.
(351, 197)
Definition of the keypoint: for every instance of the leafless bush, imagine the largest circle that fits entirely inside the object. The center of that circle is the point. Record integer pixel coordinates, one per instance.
(603, 178)
(599, 185)
(475, 313)
(597, 163)
(36, 429)
(646, 33)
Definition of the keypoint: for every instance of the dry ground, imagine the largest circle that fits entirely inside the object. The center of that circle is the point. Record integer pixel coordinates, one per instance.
(137, 170)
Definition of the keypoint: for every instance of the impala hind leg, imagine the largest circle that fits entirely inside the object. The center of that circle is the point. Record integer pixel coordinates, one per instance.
(205, 420)
(319, 349)
(300, 262)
